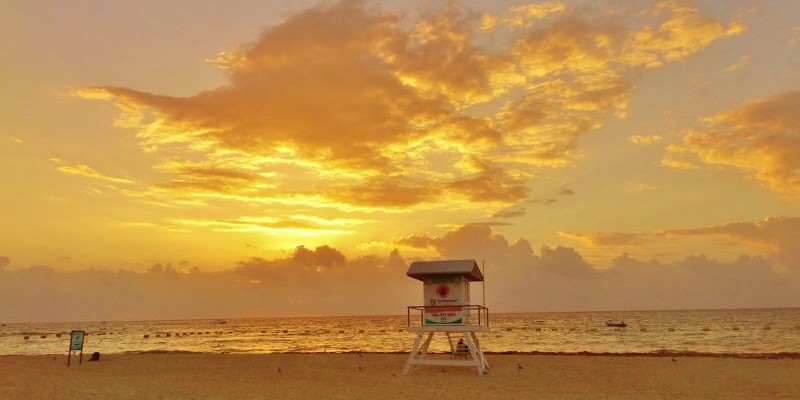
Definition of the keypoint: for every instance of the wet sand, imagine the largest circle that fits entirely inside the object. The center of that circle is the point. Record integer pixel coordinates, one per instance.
(379, 376)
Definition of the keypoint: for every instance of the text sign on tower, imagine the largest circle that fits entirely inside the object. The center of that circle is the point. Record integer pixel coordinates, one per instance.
(443, 297)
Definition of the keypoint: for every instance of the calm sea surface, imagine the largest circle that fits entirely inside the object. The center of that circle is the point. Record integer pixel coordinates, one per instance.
(763, 332)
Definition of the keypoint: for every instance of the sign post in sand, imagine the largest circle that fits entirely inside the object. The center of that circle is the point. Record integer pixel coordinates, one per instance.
(447, 310)
(76, 344)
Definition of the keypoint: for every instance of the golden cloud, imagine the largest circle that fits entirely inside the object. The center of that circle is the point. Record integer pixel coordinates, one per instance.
(743, 61)
(641, 186)
(761, 138)
(345, 105)
(87, 171)
(685, 30)
(300, 225)
(643, 139)
(606, 239)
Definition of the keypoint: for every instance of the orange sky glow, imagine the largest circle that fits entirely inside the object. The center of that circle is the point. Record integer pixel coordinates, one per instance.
(198, 159)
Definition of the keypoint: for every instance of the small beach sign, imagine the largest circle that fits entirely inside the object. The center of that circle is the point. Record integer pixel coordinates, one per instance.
(76, 339)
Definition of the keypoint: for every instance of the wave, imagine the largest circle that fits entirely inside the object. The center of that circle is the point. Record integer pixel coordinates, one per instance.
(161, 352)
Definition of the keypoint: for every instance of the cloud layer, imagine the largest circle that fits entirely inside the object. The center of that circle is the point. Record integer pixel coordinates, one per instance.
(324, 281)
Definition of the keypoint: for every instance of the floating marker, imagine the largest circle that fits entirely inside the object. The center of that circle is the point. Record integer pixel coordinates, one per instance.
(706, 329)
(26, 337)
(671, 329)
(735, 328)
(146, 336)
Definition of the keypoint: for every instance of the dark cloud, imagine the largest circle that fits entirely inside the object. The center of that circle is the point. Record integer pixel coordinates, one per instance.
(560, 278)
(322, 256)
(214, 180)
(490, 187)
(319, 281)
(544, 201)
(565, 261)
(386, 192)
(778, 234)
(489, 223)
(416, 241)
(510, 213)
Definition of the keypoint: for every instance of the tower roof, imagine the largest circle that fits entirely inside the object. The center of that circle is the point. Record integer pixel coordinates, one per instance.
(466, 268)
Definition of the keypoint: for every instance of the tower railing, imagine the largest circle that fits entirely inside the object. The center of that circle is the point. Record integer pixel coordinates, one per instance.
(475, 317)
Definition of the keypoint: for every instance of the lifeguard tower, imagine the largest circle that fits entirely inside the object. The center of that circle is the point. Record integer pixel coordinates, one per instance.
(447, 309)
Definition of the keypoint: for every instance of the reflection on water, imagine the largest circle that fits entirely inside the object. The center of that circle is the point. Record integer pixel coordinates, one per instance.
(766, 331)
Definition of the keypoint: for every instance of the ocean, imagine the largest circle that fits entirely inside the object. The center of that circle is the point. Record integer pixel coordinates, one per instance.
(752, 332)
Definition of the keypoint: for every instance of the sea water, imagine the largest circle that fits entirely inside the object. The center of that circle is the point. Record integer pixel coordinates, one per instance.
(760, 332)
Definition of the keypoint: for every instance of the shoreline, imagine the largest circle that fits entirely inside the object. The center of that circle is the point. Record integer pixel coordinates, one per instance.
(667, 353)
(371, 375)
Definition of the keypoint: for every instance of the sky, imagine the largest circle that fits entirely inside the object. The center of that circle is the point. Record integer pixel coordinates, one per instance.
(200, 159)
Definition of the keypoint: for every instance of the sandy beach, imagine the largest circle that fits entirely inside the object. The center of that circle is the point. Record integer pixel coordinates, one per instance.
(376, 376)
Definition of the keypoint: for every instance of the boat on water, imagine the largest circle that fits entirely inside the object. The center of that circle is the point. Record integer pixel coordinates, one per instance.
(616, 323)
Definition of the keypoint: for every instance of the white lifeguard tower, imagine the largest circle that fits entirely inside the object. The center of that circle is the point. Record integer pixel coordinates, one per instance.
(447, 309)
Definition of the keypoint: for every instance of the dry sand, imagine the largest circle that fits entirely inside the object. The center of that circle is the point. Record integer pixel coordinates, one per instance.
(379, 376)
